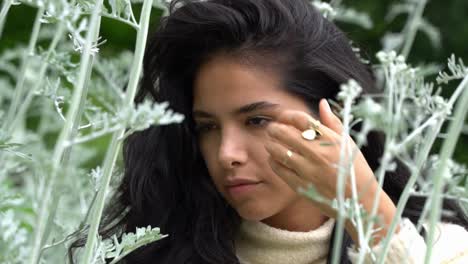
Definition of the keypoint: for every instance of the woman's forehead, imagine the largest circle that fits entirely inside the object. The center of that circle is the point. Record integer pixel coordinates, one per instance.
(223, 80)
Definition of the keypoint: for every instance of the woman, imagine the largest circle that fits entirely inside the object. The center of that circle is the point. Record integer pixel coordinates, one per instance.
(250, 76)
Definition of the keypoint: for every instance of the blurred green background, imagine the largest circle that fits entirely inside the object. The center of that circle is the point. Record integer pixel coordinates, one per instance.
(449, 16)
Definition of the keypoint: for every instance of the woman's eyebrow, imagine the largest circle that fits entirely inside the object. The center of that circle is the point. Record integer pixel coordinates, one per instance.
(261, 105)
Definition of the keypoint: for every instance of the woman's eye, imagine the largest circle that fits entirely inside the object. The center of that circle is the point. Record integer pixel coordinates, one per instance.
(202, 128)
(259, 121)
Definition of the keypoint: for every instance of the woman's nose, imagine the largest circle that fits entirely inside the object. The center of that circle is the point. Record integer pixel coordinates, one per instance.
(232, 149)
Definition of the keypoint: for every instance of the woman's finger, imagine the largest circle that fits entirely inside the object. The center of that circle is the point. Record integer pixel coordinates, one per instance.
(296, 118)
(328, 118)
(289, 159)
(292, 138)
(302, 121)
(287, 135)
(286, 174)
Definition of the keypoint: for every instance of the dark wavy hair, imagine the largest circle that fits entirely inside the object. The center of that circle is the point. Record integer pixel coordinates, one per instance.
(166, 183)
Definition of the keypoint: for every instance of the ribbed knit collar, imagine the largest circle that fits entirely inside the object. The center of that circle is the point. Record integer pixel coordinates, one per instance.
(258, 243)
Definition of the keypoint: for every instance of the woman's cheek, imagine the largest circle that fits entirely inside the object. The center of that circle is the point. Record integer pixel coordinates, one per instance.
(205, 148)
(211, 163)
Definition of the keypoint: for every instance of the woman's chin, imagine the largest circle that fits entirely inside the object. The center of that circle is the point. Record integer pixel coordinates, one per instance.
(252, 214)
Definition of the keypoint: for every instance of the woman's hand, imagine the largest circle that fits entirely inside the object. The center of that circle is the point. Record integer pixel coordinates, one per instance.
(315, 162)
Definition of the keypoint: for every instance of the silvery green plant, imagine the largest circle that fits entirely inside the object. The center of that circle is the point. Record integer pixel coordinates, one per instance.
(61, 93)
(49, 194)
(336, 11)
(117, 250)
(416, 22)
(411, 114)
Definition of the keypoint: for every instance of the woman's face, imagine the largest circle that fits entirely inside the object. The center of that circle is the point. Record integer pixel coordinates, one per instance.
(232, 105)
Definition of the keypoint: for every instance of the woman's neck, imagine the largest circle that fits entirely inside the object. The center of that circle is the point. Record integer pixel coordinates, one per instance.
(299, 216)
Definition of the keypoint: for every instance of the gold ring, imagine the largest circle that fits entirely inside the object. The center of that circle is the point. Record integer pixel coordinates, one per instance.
(288, 156)
(314, 130)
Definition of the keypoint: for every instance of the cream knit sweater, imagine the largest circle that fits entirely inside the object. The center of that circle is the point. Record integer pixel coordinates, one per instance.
(258, 243)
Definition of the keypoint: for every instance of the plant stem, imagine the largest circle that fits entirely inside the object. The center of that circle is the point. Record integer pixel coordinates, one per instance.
(411, 28)
(25, 62)
(421, 158)
(380, 177)
(389, 74)
(114, 148)
(92, 136)
(446, 153)
(117, 19)
(355, 198)
(3, 13)
(79, 94)
(418, 131)
(386, 157)
(42, 71)
(341, 182)
(335, 3)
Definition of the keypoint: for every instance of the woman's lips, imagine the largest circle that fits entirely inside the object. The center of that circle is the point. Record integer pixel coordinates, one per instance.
(242, 189)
